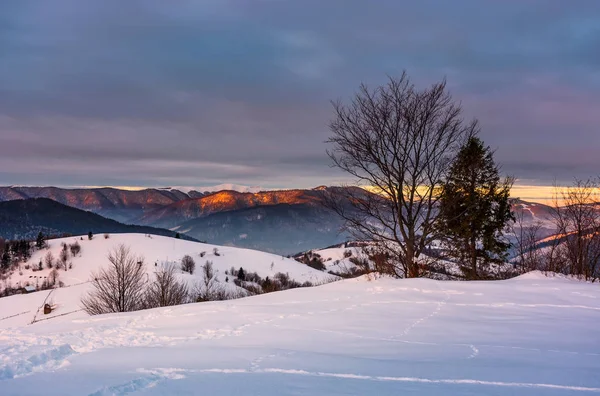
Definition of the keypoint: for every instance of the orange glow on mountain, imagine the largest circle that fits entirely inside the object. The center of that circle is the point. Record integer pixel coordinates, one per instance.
(531, 193)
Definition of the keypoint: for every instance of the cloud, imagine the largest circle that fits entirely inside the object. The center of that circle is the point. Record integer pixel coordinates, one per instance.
(146, 92)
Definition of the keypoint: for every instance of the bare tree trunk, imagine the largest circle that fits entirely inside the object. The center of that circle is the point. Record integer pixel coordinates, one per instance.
(473, 254)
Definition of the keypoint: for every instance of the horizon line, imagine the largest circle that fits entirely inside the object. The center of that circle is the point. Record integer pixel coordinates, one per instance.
(526, 192)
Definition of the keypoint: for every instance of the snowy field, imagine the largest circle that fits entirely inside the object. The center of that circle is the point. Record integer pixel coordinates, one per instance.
(156, 251)
(526, 336)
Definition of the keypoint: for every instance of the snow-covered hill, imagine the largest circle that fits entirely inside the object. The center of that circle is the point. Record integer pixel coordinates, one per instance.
(530, 335)
(156, 251)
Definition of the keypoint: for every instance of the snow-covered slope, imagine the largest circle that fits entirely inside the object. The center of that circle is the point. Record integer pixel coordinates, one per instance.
(527, 336)
(156, 251)
(339, 259)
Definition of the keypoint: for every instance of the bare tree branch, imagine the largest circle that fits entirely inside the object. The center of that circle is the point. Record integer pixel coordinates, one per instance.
(396, 141)
(118, 288)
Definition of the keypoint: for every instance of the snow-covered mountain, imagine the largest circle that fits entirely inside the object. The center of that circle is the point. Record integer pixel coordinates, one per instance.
(527, 336)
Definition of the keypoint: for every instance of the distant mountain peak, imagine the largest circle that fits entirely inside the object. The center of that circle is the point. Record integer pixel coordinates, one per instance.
(219, 187)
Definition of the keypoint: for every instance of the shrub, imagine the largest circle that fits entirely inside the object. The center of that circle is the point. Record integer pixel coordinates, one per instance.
(53, 276)
(106, 236)
(252, 288)
(269, 286)
(64, 256)
(253, 277)
(75, 248)
(165, 290)
(209, 289)
(317, 263)
(285, 281)
(188, 264)
(361, 262)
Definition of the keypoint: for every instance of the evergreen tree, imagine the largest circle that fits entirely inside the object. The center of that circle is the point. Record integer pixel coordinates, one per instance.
(21, 249)
(5, 261)
(474, 208)
(90, 235)
(177, 236)
(39, 242)
(241, 274)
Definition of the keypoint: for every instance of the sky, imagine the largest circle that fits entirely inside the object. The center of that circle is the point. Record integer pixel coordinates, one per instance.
(196, 93)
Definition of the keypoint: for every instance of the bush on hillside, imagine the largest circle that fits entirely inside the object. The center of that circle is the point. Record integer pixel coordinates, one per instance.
(118, 288)
(188, 264)
(165, 290)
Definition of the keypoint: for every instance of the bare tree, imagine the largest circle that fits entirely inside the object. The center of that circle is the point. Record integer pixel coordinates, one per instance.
(64, 256)
(75, 248)
(118, 288)
(49, 260)
(577, 220)
(528, 256)
(398, 141)
(209, 289)
(166, 290)
(188, 264)
(53, 276)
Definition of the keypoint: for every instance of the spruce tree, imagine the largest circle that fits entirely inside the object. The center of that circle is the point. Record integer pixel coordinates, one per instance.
(475, 208)
(241, 274)
(5, 261)
(39, 242)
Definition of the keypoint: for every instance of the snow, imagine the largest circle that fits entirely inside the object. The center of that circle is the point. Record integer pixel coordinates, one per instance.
(334, 259)
(531, 335)
(154, 249)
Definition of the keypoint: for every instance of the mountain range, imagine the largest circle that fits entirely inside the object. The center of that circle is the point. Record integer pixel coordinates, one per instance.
(25, 218)
(282, 221)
